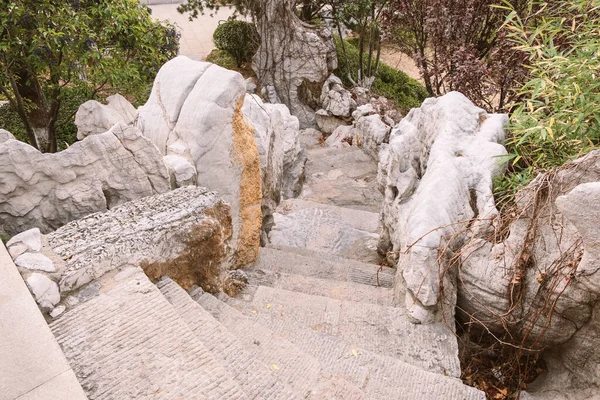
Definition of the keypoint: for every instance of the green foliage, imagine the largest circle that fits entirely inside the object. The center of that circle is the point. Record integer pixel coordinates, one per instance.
(406, 92)
(558, 118)
(239, 38)
(222, 58)
(89, 47)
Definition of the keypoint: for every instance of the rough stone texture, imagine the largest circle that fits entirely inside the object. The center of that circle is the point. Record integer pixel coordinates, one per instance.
(552, 255)
(292, 58)
(328, 123)
(129, 343)
(195, 109)
(181, 171)
(335, 99)
(370, 133)
(5, 135)
(345, 177)
(93, 117)
(304, 224)
(255, 378)
(184, 233)
(310, 138)
(436, 175)
(48, 190)
(44, 290)
(343, 134)
(370, 372)
(32, 239)
(35, 261)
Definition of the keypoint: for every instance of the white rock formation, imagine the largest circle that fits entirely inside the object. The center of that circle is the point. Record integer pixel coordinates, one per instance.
(35, 261)
(342, 134)
(327, 122)
(32, 239)
(48, 190)
(184, 233)
(436, 175)
(44, 290)
(550, 260)
(5, 135)
(181, 171)
(292, 56)
(94, 117)
(370, 133)
(196, 108)
(335, 99)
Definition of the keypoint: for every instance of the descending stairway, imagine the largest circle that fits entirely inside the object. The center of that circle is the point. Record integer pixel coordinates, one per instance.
(316, 321)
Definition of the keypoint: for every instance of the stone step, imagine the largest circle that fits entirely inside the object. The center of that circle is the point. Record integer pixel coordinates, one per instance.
(342, 176)
(383, 330)
(339, 290)
(341, 231)
(301, 261)
(128, 342)
(300, 371)
(379, 376)
(254, 377)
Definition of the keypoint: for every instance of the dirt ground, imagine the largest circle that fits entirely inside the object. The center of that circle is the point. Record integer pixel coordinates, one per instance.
(394, 58)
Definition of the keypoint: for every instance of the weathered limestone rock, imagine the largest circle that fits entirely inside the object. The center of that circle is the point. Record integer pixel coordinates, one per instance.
(35, 261)
(184, 233)
(94, 117)
(195, 110)
(550, 260)
(292, 58)
(44, 290)
(370, 133)
(327, 122)
(436, 175)
(98, 173)
(335, 99)
(342, 134)
(32, 239)
(181, 171)
(5, 135)
(310, 137)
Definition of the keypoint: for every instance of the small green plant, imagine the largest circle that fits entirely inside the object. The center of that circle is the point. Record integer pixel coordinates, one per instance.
(406, 92)
(222, 58)
(558, 118)
(238, 38)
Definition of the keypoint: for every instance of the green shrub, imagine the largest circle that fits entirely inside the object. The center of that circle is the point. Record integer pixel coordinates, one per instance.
(558, 118)
(398, 87)
(239, 38)
(222, 58)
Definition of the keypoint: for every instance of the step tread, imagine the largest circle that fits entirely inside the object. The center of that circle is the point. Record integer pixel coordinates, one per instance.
(339, 290)
(129, 343)
(379, 376)
(290, 260)
(254, 377)
(381, 329)
(300, 371)
(337, 230)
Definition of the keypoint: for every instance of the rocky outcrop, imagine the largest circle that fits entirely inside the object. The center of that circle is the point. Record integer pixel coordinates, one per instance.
(101, 172)
(184, 233)
(436, 175)
(337, 103)
(550, 263)
(293, 57)
(195, 111)
(94, 117)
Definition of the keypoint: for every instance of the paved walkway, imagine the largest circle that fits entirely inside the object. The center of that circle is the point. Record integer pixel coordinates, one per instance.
(32, 365)
(196, 36)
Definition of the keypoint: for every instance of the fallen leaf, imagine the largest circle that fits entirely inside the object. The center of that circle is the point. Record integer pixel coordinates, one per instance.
(275, 367)
(354, 353)
(268, 306)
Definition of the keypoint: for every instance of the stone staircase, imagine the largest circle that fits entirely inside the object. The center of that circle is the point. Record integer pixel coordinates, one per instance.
(316, 321)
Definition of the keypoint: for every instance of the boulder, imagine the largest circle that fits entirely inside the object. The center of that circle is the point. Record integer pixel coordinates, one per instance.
(195, 110)
(5, 135)
(551, 261)
(181, 171)
(184, 233)
(327, 122)
(436, 175)
(335, 99)
(342, 134)
(35, 261)
(44, 290)
(310, 138)
(370, 133)
(93, 117)
(49, 190)
(288, 65)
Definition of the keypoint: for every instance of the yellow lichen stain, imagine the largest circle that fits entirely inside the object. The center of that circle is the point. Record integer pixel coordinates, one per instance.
(245, 153)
